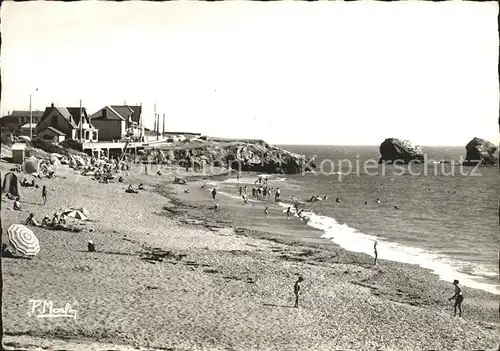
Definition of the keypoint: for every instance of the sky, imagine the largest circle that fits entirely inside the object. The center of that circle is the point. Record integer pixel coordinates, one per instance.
(324, 73)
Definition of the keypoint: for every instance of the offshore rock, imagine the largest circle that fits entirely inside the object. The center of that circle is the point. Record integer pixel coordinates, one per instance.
(480, 151)
(400, 150)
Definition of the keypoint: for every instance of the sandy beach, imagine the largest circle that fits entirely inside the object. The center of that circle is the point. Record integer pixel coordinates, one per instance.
(171, 274)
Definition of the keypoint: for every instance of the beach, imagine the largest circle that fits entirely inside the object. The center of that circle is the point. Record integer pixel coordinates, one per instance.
(169, 273)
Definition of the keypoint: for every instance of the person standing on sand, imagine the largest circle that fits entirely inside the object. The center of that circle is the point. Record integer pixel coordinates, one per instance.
(266, 211)
(459, 298)
(375, 252)
(44, 195)
(214, 192)
(288, 211)
(296, 291)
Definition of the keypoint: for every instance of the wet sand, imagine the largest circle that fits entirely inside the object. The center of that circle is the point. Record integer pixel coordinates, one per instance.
(171, 274)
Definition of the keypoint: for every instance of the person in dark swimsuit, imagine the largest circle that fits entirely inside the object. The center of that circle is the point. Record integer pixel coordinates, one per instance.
(459, 298)
(44, 194)
(296, 291)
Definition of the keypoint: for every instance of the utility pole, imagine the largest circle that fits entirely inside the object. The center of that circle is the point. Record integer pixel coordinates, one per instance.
(163, 130)
(31, 121)
(155, 119)
(157, 126)
(81, 123)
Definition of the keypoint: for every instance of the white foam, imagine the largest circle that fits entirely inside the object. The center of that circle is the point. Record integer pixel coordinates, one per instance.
(353, 240)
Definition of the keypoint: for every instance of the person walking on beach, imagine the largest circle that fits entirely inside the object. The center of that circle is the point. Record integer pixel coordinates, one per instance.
(214, 192)
(375, 252)
(296, 291)
(288, 211)
(44, 195)
(277, 194)
(459, 298)
(241, 190)
(266, 211)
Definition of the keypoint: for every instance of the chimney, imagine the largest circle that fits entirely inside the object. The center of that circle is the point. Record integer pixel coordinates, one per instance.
(52, 105)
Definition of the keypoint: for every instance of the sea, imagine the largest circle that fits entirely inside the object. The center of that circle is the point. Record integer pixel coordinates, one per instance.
(440, 216)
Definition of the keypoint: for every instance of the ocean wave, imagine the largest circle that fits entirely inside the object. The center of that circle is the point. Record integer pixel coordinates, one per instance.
(353, 240)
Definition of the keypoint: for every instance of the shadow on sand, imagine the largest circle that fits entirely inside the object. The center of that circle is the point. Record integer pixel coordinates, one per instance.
(110, 253)
(273, 305)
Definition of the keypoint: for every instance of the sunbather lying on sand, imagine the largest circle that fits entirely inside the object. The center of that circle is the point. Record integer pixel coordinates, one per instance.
(46, 222)
(6, 252)
(11, 197)
(31, 220)
(131, 190)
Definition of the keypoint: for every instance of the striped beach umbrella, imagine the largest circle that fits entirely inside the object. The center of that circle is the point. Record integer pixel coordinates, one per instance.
(74, 214)
(23, 240)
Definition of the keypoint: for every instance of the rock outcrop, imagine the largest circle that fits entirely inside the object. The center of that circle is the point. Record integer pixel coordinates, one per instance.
(244, 156)
(480, 151)
(400, 150)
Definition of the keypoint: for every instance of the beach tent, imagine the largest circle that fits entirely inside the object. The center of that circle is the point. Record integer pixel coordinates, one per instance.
(11, 184)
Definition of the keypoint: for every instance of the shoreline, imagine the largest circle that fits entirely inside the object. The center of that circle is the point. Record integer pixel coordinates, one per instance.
(170, 274)
(185, 201)
(429, 259)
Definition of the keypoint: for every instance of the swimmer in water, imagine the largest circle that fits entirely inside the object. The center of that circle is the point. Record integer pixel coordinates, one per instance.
(377, 201)
(338, 201)
(396, 207)
(366, 202)
(288, 211)
(266, 211)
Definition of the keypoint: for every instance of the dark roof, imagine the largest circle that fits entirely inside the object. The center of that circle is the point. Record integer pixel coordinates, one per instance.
(52, 129)
(25, 114)
(75, 113)
(123, 110)
(136, 116)
(110, 114)
(64, 111)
